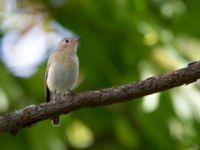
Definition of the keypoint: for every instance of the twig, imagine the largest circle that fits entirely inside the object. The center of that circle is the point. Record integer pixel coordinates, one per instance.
(14, 121)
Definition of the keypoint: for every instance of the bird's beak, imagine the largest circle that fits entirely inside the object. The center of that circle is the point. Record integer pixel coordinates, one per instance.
(78, 39)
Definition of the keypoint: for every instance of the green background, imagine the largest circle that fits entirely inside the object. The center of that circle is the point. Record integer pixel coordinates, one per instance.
(122, 41)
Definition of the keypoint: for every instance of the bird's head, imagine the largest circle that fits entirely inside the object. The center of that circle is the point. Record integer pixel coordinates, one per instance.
(69, 44)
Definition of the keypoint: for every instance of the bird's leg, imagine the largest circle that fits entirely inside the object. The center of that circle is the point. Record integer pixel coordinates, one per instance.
(62, 95)
(54, 96)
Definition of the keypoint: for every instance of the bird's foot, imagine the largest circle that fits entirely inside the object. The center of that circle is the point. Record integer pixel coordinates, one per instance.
(71, 92)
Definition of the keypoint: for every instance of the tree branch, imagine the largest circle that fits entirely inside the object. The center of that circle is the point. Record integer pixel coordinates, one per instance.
(14, 121)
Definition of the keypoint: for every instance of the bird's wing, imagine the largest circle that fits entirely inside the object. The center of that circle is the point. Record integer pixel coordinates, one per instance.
(47, 91)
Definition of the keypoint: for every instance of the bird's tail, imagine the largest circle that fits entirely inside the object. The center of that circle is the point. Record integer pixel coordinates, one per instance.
(55, 121)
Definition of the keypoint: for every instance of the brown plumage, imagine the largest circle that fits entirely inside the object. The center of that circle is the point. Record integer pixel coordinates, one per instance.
(62, 71)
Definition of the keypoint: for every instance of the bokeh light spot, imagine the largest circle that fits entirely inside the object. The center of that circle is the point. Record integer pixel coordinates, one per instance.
(79, 135)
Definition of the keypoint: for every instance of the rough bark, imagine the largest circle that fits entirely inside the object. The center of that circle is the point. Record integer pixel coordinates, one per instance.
(14, 121)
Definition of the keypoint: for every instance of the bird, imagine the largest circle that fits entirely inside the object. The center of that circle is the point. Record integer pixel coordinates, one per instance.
(62, 71)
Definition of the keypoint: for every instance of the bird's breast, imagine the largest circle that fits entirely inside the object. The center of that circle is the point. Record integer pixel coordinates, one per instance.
(62, 76)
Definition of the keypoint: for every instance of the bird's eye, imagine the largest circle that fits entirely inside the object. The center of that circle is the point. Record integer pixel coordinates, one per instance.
(66, 41)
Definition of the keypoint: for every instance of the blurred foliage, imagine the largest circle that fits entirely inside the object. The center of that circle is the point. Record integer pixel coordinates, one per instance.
(122, 41)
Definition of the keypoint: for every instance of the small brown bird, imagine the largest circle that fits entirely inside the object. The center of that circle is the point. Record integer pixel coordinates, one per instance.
(62, 71)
